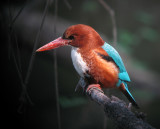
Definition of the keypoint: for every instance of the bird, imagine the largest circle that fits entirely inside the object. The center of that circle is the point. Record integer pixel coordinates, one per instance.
(94, 59)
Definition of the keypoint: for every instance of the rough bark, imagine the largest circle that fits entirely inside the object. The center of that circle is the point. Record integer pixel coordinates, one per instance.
(117, 110)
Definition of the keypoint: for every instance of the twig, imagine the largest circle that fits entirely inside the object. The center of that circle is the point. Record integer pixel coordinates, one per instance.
(68, 4)
(18, 53)
(12, 21)
(24, 90)
(24, 94)
(35, 44)
(19, 12)
(112, 14)
(117, 110)
(56, 89)
(55, 69)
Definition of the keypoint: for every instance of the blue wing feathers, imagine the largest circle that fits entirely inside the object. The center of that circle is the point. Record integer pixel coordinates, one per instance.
(123, 75)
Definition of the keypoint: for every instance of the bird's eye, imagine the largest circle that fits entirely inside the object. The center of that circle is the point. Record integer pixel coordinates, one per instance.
(71, 37)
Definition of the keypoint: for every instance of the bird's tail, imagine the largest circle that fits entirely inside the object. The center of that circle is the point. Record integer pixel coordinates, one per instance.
(124, 88)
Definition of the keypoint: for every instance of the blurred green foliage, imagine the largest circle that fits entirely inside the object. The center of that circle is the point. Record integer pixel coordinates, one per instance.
(128, 39)
(144, 17)
(144, 95)
(137, 41)
(139, 64)
(90, 6)
(149, 34)
(67, 102)
(144, 32)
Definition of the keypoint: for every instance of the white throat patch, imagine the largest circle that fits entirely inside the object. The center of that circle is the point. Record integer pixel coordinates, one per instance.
(78, 62)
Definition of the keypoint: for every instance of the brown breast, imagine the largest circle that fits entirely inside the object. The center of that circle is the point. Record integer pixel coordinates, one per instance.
(102, 71)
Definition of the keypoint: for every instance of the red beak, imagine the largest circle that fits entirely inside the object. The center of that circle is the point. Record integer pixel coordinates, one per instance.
(54, 44)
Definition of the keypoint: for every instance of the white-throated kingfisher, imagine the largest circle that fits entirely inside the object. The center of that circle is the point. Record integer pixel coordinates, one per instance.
(94, 60)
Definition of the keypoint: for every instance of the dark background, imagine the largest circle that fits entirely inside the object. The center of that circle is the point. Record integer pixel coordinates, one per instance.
(137, 42)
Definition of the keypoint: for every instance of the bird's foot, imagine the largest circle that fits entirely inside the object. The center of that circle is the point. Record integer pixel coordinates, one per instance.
(86, 87)
(93, 86)
(82, 83)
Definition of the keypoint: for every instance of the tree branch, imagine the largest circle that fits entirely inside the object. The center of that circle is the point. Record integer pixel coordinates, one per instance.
(117, 110)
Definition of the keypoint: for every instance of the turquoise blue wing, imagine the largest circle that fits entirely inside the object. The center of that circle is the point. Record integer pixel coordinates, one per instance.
(123, 75)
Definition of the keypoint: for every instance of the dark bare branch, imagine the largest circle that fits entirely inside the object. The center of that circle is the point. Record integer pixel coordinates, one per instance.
(55, 68)
(117, 110)
(35, 44)
(112, 14)
(17, 15)
(24, 95)
(68, 4)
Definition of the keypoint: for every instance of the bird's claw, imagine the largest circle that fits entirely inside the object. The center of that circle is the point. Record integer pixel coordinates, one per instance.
(93, 86)
(81, 83)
